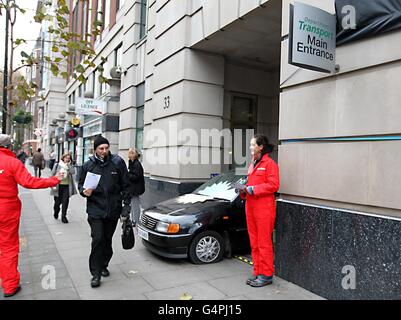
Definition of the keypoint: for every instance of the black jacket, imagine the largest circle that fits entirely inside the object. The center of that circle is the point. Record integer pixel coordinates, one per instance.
(106, 200)
(137, 181)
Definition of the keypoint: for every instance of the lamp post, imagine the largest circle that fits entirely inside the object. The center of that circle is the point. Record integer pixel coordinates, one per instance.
(5, 72)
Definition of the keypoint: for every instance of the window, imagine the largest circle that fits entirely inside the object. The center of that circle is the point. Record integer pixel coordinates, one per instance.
(94, 83)
(142, 31)
(140, 102)
(76, 94)
(84, 28)
(120, 4)
(89, 20)
(103, 13)
(75, 31)
(118, 56)
(139, 128)
(100, 13)
(106, 13)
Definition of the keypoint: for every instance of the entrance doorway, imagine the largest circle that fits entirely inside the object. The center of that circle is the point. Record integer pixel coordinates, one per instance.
(243, 118)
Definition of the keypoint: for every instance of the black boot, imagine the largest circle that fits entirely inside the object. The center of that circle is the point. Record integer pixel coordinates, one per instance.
(105, 272)
(95, 282)
(64, 219)
(55, 215)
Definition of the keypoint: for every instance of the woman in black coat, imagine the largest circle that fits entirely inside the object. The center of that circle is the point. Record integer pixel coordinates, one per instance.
(135, 173)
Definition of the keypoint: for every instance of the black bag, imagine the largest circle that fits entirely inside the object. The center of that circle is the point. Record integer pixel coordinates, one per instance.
(127, 237)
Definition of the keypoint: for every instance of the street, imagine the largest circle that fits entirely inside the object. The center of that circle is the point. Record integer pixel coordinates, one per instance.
(49, 247)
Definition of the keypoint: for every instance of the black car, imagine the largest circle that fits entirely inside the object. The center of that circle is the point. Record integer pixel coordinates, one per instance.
(203, 225)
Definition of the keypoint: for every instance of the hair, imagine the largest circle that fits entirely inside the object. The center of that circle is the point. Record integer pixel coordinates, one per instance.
(65, 155)
(138, 155)
(262, 140)
(39, 150)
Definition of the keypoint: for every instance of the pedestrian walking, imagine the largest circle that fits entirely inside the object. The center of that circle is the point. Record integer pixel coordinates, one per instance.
(12, 173)
(52, 159)
(107, 201)
(65, 189)
(137, 182)
(38, 162)
(259, 192)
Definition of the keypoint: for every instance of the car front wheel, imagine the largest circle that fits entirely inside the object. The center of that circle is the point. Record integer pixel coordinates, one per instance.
(206, 247)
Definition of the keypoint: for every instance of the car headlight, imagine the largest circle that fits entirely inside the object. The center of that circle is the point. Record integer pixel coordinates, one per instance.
(167, 227)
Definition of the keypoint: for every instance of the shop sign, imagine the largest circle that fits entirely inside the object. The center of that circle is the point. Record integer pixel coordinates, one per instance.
(84, 106)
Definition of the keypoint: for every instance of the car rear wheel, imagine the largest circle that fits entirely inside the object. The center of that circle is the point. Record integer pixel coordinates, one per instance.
(206, 247)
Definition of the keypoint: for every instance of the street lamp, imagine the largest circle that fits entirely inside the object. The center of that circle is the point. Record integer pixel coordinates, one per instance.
(5, 71)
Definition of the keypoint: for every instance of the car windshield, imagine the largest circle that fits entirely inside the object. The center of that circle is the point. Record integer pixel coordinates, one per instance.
(221, 187)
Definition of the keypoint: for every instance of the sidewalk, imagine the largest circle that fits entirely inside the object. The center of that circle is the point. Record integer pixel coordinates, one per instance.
(136, 274)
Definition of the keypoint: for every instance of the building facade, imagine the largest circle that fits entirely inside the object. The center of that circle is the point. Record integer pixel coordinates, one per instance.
(189, 68)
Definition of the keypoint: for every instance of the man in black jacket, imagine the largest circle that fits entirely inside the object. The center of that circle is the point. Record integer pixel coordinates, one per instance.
(104, 204)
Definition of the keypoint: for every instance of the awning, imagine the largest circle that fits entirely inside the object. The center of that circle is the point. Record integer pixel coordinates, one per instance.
(30, 141)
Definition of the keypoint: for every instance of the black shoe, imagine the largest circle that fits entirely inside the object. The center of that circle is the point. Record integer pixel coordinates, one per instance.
(64, 219)
(8, 295)
(95, 282)
(251, 278)
(105, 272)
(261, 281)
(55, 215)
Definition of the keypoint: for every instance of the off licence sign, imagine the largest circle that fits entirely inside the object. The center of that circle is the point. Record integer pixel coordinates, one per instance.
(90, 107)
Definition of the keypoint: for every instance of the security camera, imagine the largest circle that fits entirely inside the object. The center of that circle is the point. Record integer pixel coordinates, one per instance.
(117, 72)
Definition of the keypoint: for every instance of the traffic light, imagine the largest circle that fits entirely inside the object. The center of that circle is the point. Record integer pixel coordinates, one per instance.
(72, 134)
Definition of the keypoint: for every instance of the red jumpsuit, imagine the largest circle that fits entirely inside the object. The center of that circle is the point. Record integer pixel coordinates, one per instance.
(261, 213)
(12, 173)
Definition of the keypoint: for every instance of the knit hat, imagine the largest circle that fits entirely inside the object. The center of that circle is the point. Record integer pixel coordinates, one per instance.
(5, 140)
(100, 140)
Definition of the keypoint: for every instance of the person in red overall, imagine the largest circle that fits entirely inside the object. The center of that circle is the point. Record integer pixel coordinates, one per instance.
(12, 173)
(262, 184)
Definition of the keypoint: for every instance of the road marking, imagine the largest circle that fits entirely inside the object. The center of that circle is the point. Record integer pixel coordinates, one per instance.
(244, 259)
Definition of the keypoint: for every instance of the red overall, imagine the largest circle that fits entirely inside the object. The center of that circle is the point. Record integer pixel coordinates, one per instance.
(261, 213)
(12, 173)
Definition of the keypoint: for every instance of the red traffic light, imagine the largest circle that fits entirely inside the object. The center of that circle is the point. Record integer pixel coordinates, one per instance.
(72, 133)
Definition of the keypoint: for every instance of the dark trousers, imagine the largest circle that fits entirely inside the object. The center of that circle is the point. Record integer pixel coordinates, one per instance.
(102, 231)
(63, 199)
(51, 163)
(36, 168)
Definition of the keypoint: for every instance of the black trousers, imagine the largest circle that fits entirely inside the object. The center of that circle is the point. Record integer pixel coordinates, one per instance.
(63, 199)
(51, 163)
(102, 231)
(36, 168)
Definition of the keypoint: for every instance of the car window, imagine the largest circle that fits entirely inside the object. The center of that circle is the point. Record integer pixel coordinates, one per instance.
(221, 187)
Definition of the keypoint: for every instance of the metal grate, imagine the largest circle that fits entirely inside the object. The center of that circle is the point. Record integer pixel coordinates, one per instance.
(148, 222)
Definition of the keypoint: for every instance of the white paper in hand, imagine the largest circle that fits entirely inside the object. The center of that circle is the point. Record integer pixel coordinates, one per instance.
(91, 181)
